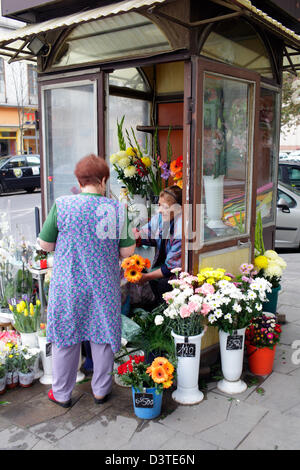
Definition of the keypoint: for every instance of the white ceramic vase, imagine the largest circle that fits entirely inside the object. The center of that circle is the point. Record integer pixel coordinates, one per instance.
(29, 339)
(214, 200)
(46, 356)
(232, 356)
(187, 392)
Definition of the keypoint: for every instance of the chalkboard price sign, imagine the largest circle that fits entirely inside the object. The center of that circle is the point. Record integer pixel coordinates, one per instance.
(143, 400)
(48, 349)
(186, 349)
(234, 342)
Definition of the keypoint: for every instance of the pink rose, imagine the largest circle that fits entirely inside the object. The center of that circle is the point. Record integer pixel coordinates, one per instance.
(184, 311)
(206, 289)
(205, 309)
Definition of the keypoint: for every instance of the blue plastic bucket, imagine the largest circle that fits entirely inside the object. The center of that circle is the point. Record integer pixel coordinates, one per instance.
(152, 399)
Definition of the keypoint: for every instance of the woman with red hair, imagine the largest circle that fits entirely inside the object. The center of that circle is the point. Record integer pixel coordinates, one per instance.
(89, 233)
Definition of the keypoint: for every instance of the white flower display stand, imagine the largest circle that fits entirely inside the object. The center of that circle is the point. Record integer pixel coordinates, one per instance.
(214, 200)
(232, 356)
(188, 352)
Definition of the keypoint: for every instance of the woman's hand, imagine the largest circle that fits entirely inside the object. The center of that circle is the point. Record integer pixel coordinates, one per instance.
(136, 233)
(144, 279)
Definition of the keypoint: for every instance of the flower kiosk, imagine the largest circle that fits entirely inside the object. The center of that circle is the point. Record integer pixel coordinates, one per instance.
(192, 92)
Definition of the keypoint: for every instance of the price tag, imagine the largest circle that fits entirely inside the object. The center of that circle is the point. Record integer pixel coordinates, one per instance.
(234, 342)
(186, 349)
(143, 400)
(48, 349)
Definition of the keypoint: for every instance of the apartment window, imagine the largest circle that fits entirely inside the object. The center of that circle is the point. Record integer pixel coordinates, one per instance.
(32, 82)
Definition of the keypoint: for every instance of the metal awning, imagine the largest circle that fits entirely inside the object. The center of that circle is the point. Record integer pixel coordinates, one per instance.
(13, 44)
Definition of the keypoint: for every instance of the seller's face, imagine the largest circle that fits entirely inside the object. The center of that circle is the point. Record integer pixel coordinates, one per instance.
(167, 208)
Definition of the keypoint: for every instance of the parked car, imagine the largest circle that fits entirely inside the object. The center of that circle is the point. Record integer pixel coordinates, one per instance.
(20, 172)
(288, 217)
(289, 173)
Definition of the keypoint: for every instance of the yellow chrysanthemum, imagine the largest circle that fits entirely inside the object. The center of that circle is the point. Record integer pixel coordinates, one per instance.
(210, 280)
(10, 356)
(114, 158)
(146, 161)
(227, 278)
(261, 262)
(131, 152)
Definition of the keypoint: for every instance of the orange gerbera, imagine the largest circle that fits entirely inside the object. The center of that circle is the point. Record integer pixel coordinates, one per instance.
(127, 263)
(159, 375)
(139, 262)
(159, 361)
(176, 165)
(168, 383)
(132, 274)
(169, 368)
(147, 263)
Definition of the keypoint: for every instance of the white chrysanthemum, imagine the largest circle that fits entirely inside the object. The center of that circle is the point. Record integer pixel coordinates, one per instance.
(258, 306)
(273, 269)
(251, 295)
(124, 162)
(218, 313)
(271, 255)
(130, 171)
(158, 320)
(249, 309)
(236, 307)
(211, 318)
(223, 283)
(228, 317)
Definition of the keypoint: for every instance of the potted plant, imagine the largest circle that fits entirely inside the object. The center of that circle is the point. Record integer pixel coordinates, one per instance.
(154, 336)
(147, 383)
(26, 320)
(40, 259)
(27, 359)
(186, 310)
(271, 266)
(262, 336)
(3, 372)
(233, 305)
(12, 365)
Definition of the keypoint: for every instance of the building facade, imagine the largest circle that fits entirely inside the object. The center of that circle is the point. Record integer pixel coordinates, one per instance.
(18, 102)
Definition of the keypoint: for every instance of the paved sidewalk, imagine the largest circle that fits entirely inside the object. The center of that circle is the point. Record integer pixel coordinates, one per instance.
(266, 416)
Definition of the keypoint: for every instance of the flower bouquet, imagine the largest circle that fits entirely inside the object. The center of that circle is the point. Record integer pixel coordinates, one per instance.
(233, 305)
(262, 336)
(26, 315)
(12, 364)
(271, 266)
(147, 382)
(134, 266)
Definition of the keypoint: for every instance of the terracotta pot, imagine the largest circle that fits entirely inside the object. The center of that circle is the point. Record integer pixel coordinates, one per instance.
(260, 360)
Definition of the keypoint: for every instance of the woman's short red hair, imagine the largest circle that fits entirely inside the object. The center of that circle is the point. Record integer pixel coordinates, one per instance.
(91, 170)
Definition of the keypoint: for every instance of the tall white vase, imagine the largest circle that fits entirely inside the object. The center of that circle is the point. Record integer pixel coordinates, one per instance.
(214, 200)
(232, 356)
(46, 356)
(29, 339)
(187, 392)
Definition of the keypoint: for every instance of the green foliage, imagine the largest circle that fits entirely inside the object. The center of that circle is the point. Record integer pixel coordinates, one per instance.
(259, 241)
(122, 143)
(153, 338)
